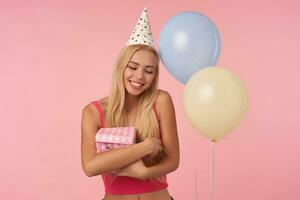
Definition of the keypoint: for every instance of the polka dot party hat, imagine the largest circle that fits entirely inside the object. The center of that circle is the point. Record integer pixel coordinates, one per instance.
(142, 33)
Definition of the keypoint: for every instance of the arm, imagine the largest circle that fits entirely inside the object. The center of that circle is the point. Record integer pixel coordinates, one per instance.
(169, 139)
(94, 164)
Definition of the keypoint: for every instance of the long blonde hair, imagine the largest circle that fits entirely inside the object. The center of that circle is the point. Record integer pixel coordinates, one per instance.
(146, 123)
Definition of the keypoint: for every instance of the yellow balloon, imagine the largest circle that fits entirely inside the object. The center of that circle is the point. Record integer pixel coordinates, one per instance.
(215, 101)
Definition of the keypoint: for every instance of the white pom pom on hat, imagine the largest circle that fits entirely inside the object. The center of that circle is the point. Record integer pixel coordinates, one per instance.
(142, 33)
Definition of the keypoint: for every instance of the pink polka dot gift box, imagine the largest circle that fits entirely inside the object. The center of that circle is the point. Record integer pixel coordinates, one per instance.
(114, 138)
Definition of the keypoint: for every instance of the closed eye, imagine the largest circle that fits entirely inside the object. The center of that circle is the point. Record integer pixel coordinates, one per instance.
(149, 72)
(131, 67)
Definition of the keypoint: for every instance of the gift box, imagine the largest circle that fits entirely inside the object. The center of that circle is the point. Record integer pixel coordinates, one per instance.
(114, 138)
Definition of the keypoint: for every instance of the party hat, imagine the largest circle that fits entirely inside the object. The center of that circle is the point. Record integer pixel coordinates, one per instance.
(142, 33)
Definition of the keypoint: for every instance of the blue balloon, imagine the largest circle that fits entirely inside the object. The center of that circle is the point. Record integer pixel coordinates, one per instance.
(188, 42)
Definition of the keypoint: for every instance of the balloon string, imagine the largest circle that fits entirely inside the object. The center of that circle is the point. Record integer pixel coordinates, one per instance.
(212, 173)
(196, 185)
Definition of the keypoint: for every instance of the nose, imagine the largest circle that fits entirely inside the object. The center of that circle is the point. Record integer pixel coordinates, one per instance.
(139, 74)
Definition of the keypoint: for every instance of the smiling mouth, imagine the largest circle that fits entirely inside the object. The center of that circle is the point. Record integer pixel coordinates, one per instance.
(136, 84)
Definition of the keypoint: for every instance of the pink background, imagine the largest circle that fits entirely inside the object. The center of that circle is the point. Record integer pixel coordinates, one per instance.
(57, 56)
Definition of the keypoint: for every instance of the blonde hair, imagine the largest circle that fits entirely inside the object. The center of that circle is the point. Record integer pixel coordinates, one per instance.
(146, 123)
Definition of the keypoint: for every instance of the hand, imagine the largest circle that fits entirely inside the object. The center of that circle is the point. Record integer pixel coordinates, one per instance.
(136, 170)
(155, 146)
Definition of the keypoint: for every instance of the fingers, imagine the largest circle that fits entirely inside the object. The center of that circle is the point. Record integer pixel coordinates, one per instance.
(156, 145)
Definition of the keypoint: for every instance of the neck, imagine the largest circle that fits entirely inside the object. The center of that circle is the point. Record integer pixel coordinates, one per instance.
(131, 102)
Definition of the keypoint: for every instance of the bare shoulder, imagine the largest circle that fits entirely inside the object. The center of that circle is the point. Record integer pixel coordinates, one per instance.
(163, 98)
(91, 113)
(164, 103)
(103, 102)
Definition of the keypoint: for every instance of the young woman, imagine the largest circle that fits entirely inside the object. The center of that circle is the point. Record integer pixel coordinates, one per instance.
(137, 171)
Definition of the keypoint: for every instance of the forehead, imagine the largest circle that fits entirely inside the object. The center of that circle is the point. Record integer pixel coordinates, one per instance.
(144, 57)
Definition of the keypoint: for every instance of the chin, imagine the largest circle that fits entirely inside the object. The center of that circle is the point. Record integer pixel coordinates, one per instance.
(133, 93)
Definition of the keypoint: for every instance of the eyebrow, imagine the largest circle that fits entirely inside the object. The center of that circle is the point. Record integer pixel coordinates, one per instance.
(146, 65)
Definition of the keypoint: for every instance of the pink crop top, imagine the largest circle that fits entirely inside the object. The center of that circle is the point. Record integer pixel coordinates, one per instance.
(122, 185)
